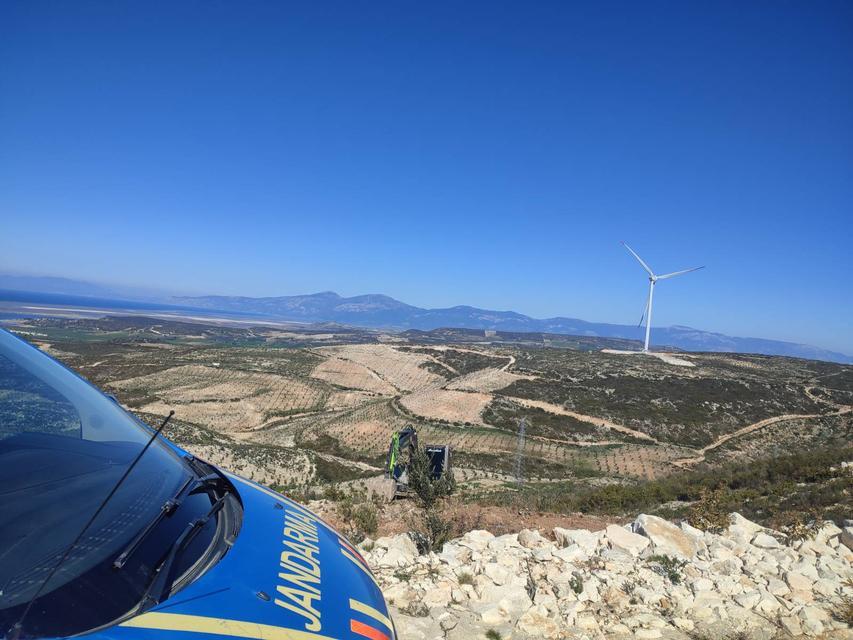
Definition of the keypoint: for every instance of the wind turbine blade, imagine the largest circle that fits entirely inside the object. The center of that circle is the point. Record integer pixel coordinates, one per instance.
(639, 259)
(678, 273)
(645, 309)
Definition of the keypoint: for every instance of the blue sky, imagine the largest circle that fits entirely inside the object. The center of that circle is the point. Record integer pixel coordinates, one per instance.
(444, 153)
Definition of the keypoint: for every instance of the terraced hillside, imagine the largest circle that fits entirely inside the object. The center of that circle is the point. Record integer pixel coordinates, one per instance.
(303, 406)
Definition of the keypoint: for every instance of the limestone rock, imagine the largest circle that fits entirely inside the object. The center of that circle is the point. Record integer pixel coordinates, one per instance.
(399, 551)
(600, 585)
(538, 623)
(476, 540)
(666, 538)
(765, 541)
(586, 540)
(740, 527)
(572, 553)
(797, 581)
(531, 539)
(621, 539)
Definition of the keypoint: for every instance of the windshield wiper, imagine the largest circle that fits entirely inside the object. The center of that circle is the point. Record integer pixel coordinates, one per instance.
(190, 487)
(161, 585)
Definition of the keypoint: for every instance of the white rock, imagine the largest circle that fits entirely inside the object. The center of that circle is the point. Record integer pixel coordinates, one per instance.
(538, 623)
(741, 527)
(685, 624)
(504, 542)
(586, 540)
(531, 539)
(448, 622)
(621, 539)
(512, 598)
(765, 541)
(748, 599)
(730, 567)
(476, 540)
(768, 604)
(826, 532)
(572, 553)
(417, 628)
(394, 558)
(401, 594)
(618, 629)
(542, 554)
(666, 538)
(494, 616)
(812, 620)
(825, 587)
(721, 552)
(587, 620)
(727, 584)
(812, 628)
(454, 555)
(776, 587)
(797, 581)
(438, 596)
(590, 592)
(702, 584)
(498, 574)
(791, 624)
(813, 613)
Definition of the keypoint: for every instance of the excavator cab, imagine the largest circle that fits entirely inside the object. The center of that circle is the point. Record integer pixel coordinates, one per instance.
(404, 444)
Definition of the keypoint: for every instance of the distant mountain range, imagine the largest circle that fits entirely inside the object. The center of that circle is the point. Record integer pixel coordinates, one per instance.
(380, 311)
(383, 312)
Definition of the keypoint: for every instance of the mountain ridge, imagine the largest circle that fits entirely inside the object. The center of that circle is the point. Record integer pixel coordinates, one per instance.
(379, 311)
(382, 311)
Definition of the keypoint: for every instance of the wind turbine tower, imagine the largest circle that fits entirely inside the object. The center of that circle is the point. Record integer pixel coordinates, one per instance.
(647, 313)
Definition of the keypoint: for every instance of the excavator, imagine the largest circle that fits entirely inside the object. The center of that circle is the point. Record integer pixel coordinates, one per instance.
(404, 444)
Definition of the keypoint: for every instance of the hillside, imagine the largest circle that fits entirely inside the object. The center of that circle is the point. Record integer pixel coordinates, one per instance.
(340, 393)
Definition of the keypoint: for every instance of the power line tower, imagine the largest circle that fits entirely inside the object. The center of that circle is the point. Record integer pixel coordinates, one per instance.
(519, 452)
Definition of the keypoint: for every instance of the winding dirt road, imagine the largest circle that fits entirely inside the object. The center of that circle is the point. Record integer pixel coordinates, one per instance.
(599, 422)
(761, 424)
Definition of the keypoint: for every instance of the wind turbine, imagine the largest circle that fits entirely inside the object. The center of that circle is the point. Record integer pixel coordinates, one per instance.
(652, 281)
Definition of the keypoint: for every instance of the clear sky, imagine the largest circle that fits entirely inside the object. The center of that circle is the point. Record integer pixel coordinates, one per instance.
(443, 153)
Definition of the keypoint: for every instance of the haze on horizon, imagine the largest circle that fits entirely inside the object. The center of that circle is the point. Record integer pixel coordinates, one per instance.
(487, 154)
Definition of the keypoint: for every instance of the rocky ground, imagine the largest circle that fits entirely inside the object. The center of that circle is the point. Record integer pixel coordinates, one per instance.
(650, 579)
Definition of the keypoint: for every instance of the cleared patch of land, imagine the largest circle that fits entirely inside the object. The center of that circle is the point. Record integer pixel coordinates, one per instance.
(447, 406)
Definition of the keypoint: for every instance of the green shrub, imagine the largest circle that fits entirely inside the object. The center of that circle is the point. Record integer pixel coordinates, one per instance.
(465, 578)
(709, 513)
(359, 513)
(428, 489)
(770, 491)
(668, 567)
(576, 583)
